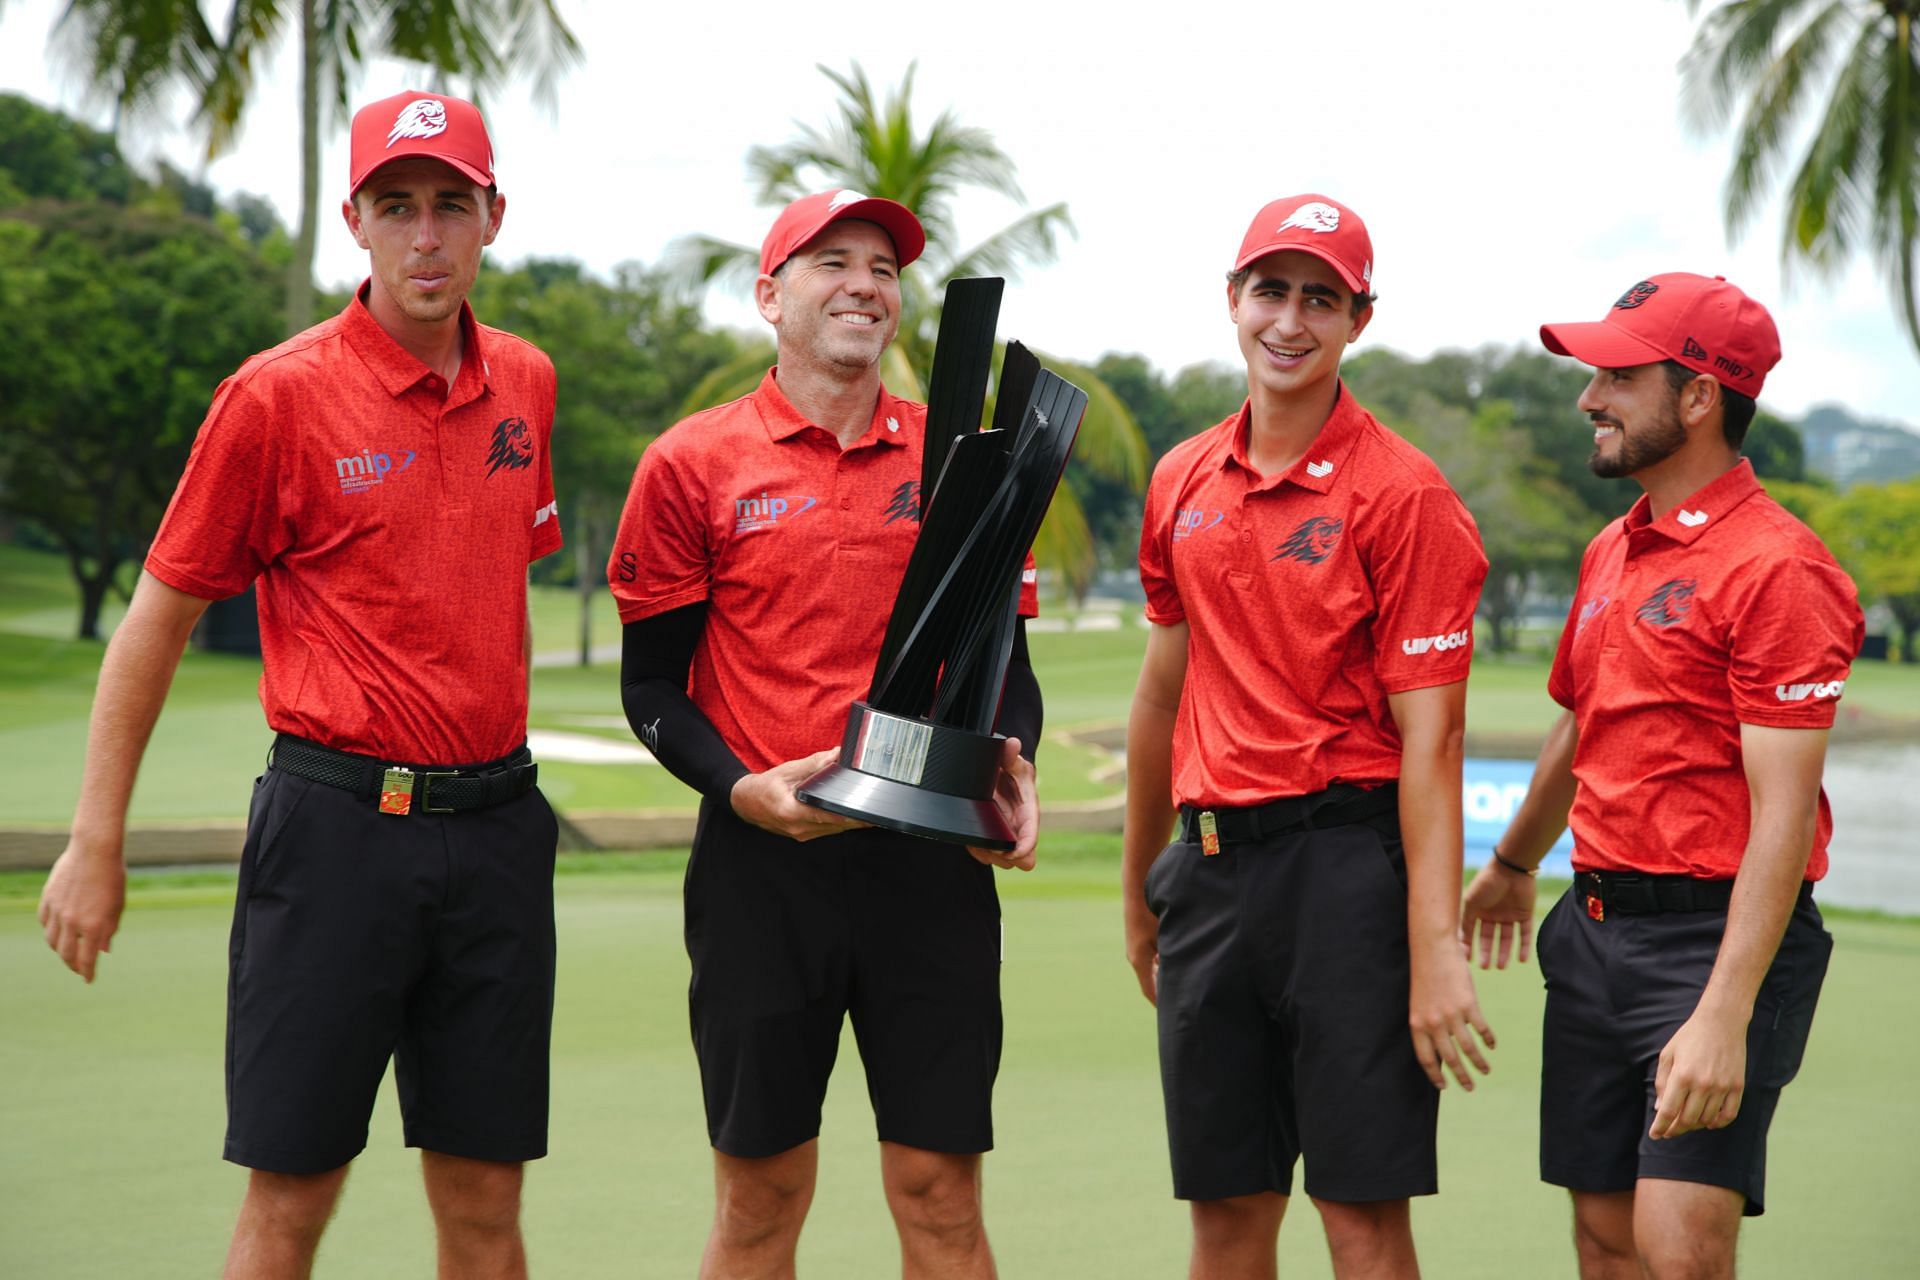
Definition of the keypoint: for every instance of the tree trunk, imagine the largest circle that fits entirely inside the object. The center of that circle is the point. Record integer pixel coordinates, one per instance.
(93, 594)
(299, 313)
(585, 581)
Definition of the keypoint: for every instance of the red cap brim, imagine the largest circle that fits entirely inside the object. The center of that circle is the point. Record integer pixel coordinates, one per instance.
(479, 176)
(1602, 345)
(1346, 273)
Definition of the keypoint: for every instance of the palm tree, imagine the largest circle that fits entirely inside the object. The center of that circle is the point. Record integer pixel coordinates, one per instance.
(872, 146)
(138, 52)
(1858, 182)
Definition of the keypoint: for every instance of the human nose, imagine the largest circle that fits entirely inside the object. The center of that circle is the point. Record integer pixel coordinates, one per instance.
(426, 232)
(1590, 400)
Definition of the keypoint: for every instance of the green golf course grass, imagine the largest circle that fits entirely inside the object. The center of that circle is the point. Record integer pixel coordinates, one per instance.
(113, 1113)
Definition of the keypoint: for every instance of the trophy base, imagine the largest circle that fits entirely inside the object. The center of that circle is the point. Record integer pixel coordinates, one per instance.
(914, 776)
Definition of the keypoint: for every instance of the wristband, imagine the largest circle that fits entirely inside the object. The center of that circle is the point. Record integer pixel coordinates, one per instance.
(1514, 866)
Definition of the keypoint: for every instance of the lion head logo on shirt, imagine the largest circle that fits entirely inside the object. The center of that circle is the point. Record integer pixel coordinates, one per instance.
(512, 446)
(905, 502)
(1313, 541)
(1670, 602)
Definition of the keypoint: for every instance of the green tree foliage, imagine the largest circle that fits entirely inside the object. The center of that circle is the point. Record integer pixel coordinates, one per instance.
(46, 156)
(1775, 448)
(626, 357)
(1851, 66)
(1874, 531)
(135, 53)
(874, 146)
(118, 324)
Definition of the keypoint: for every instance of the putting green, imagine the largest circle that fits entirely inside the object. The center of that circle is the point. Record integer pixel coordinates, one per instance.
(113, 1110)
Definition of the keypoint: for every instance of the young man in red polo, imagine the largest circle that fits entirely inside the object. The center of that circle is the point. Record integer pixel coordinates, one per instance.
(1709, 638)
(761, 546)
(383, 477)
(1311, 580)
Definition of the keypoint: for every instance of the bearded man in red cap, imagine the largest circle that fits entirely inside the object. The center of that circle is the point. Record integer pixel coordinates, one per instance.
(761, 544)
(384, 478)
(1311, 580)
(1707, 645)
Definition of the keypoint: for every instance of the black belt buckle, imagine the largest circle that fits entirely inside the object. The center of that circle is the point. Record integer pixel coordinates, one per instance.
(425, 779)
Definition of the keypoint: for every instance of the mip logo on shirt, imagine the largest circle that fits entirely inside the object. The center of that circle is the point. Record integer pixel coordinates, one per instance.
(765, 511)
(1188, 521)
(359, 472)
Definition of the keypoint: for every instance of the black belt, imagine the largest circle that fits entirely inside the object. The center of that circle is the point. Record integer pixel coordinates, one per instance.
(1631, 893)
(1338, 806)
(403, 789)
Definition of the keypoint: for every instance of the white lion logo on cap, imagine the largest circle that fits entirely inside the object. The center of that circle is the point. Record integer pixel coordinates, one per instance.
(1313, 216)
(421, 118)
(843, 199)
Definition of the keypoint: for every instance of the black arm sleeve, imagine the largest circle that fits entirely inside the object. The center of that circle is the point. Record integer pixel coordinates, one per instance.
(655, 656)
(1021, 712)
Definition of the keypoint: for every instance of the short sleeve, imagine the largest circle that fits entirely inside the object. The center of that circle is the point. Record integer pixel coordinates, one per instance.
(1164, 606)
(1427, 566)
(225, 523)
(661, 556)
(1560, 676)
(1792, 638)
(546, 514)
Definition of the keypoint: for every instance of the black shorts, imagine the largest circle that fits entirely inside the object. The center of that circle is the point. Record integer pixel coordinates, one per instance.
(900, 933)
(1617, 990)
(359, 937)
(1283, 1018)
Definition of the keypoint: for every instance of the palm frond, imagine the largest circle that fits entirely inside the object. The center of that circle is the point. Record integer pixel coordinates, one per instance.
(1031, 239)
(1110, 441)
(1825, 202)
(695, 263)
(1775, 108)
(736, 378)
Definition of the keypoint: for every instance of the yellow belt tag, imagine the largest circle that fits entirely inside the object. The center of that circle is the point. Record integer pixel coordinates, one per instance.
(396, 792)
(1209, 833)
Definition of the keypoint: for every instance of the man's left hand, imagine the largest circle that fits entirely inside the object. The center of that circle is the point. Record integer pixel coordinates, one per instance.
(1019, 803)
(1701, 1077)
(1444, 1015)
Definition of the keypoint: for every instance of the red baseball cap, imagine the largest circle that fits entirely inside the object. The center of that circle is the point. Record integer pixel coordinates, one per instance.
(420, 124)
(808, 216)
(1704, 323)
(1317, 225)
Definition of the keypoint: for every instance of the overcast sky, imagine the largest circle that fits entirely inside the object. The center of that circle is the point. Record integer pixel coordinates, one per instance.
(1516, 161)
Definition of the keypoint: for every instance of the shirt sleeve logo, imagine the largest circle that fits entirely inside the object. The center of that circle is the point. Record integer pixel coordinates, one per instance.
(905, 502)
(1434, 644)
(1313, 541)
(1812, 689)
(1670, 602)
(512, 446)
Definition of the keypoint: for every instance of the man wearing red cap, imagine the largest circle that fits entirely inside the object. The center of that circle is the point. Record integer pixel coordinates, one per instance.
(1311, 580)
(384, 478)
(1703, 656)
(760, 545)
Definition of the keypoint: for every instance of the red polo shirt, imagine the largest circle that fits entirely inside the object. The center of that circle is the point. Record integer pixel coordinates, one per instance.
(389, 521)
(1725, 611)
(796, 545)
(1309, 595)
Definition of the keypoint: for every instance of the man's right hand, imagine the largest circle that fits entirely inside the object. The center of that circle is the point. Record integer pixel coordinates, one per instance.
(80, 905)
(1143, 949)
(767, 800)
(1498, 909)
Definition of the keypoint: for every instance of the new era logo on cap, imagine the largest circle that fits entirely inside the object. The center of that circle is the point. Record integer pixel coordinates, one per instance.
(1317, 225)
(1701, 322)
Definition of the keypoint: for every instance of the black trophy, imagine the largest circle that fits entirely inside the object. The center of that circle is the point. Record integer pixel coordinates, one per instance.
(919, 754)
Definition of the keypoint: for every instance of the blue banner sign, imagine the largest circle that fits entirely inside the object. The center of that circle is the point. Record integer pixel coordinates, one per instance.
(1490, 794)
